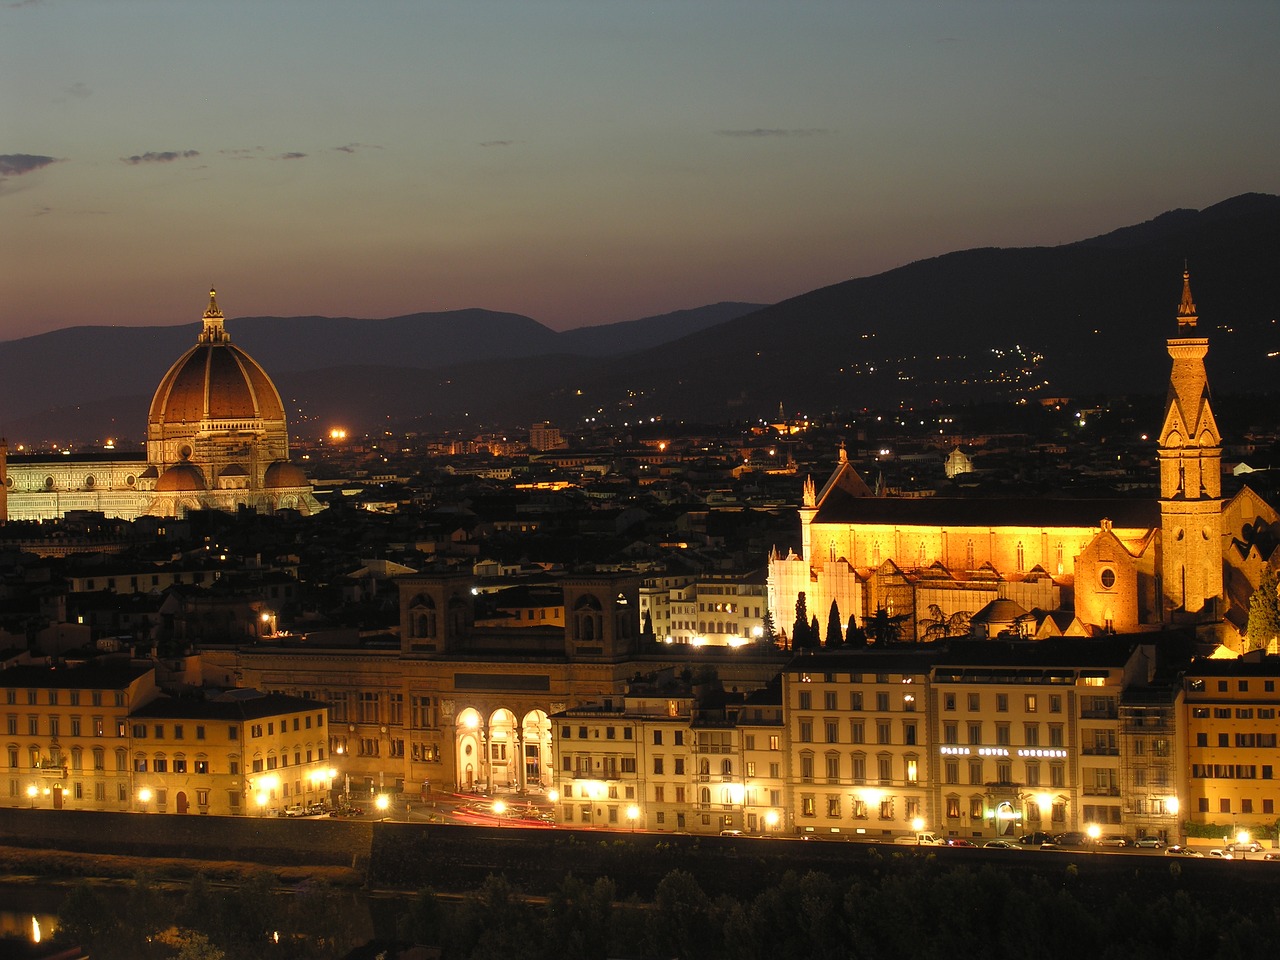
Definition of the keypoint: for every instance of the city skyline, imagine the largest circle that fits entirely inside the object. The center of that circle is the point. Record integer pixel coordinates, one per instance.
(590, 163)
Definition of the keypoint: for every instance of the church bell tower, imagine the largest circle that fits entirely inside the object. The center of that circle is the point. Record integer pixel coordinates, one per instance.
(1190, 476)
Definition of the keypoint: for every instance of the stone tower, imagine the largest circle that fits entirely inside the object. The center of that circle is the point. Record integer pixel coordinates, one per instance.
(1190, 476)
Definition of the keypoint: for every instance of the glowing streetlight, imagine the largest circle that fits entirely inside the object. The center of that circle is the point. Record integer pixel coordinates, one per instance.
(32, 792)
(261, 799)
(553, 795)
(499, 807)
(1242, 844)
(633, 814)
(382, 802)
(917, 825)
(1093, 832)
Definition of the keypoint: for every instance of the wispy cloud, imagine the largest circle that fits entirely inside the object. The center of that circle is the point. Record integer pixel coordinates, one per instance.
(78, 90)
(772, 132)
(16, 164)
(165, 156)
(497, 143)
(242, 153)
(291, 156)
(353, 147)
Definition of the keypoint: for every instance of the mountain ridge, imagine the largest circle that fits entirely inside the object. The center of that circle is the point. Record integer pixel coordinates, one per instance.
(1087, 317)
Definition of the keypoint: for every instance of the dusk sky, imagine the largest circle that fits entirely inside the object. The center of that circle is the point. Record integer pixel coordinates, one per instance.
(590, 162)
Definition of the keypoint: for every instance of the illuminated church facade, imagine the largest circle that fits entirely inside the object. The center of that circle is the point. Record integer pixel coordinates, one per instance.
(1042, 567)
(217, 438)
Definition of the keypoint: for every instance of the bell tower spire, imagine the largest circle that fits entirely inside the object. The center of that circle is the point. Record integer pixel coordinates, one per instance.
(1190, 473)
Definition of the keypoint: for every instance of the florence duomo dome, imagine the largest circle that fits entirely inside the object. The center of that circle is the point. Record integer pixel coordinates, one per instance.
(217, 438)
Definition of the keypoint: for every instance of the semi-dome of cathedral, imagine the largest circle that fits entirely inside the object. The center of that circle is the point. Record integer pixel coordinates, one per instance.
(284, 475)
(181, 477)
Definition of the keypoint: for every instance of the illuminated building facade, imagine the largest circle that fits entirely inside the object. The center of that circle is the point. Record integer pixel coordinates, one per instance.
(706, 609)
(217, 438)
(1231, 758)
(857, 742)
(1117, 565)
(452, 704)
(104, 737)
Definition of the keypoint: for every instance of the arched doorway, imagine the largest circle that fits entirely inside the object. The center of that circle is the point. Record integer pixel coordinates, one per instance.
(469, 741)
(1005, 818)
(182, 801)
(504, 751)
(536, 737)
(57, 796)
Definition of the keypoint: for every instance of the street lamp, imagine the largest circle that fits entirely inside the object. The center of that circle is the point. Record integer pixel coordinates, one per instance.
(917, 825)
(261, 798)
(1242, 844)
(382, 802)
(499, 807)
(771, 820)
(1093, 832)
(32, 792)
(633, 814)
(144, 797)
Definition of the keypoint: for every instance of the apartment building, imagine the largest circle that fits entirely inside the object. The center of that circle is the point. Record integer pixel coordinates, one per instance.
(242, 752)
(1231, 757)
(707, 609)
(67, 734)
(670, 757)
(103, 736)
(857, 742)
(1027, 734)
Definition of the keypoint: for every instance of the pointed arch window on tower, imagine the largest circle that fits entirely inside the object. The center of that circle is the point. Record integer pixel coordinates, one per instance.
(1060, 552)
(875, 554)
(920, 555)
(969, 563)
(1022, 557)
(831, 551)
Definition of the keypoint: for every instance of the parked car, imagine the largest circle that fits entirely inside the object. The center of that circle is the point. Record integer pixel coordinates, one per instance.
(1253, 846)
(1001, 845)
(1114, 840)
(1072, 838)
(1216, 854)
(919, 840)
(316, 809)
(732, 833)
(293, 810)
(1272, 855)
(1180, 851)
(1035, 839)
(1148, 843)
(959, 842)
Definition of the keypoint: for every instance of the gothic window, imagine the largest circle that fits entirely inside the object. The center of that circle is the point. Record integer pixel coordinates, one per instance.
(1022, 557)
(968, 556)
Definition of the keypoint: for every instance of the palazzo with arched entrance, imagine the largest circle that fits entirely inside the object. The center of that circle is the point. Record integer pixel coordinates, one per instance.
(498, 752)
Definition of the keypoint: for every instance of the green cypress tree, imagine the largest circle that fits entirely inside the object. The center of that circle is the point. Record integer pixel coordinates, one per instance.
(834, 636)
(800, 629)
(1264, 613)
